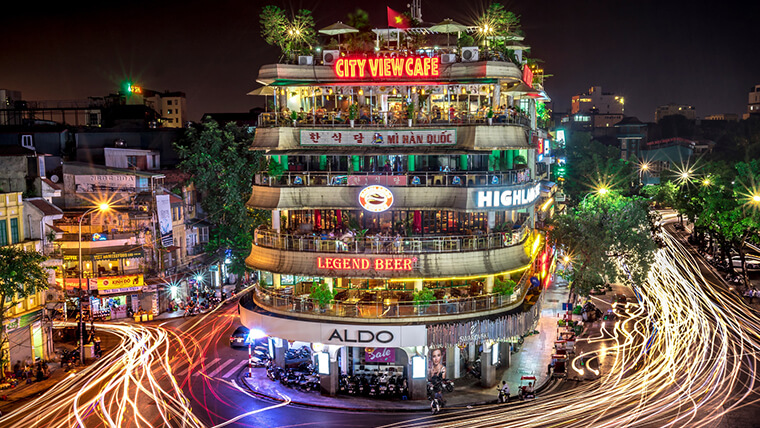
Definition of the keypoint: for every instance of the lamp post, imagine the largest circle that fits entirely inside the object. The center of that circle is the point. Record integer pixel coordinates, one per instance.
(101, 207)
(644, 167)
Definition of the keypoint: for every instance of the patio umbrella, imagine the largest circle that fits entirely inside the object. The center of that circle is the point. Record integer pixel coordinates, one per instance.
(448, 26)
(264, 90)
(337, 29)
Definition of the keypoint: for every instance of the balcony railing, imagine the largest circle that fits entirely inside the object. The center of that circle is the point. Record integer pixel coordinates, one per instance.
(413, 179)
(389, 245)
(270, 299)
(389, 119)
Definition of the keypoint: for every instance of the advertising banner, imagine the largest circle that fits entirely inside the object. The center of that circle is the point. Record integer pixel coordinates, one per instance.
(379, 355)
(164, 209)
(385, 138)
(104, 183)
(119, 284)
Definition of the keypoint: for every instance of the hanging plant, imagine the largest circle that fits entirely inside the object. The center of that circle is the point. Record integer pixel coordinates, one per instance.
(423, 298)
(321, 294)
(505, 288)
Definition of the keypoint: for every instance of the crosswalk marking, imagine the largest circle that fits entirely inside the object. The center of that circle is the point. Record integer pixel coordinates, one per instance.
(220, 368)
(214, 361)
(235, 369)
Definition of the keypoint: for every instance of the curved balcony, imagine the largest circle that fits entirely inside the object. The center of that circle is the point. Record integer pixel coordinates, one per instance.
(389, 309)
(463, 197)
(414, 178)
(333, 119)
(387, 245)
(416, 257)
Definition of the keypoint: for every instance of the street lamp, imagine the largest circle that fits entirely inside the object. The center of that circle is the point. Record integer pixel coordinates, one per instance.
(643, 168)
(101, 208)
(756, 199)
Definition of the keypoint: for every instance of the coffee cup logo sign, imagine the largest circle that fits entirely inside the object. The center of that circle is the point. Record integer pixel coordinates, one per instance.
(375, 198)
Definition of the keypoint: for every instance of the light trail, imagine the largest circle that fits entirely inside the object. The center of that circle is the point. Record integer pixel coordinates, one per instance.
(679, 359)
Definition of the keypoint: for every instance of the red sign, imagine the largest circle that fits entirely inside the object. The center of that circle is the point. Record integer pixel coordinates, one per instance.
(527, 75)
(378, 68)
(363, 263)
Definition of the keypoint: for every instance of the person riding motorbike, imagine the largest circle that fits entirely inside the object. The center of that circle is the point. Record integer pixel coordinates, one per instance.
(504, 392)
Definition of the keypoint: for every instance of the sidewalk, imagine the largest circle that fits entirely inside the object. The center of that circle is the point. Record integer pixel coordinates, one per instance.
(532, 359)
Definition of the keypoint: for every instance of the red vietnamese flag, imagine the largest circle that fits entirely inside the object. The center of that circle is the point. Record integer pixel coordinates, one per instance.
(397, 20)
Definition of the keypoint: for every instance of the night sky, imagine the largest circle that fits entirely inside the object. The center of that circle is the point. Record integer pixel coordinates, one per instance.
(651, 52)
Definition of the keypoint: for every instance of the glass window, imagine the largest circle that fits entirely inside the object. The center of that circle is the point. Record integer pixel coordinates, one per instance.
(14, 231)
(3, 232)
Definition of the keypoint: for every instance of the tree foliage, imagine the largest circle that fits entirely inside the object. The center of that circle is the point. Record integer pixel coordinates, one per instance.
(361, 41)
(222, 168)
(21, 276)
(591, 164)
(294, 36)
(599, 234)
(322, 294)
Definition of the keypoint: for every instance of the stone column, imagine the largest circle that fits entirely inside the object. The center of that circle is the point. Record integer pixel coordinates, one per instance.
(329, 383)
(489, 284)
(417, 284)
(279, 351)
(487, 370)
(276, 280)
(276, 220)
(329, 282)
(452, 362)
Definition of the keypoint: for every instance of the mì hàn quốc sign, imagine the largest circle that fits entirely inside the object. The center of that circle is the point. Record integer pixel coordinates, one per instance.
(412, 67)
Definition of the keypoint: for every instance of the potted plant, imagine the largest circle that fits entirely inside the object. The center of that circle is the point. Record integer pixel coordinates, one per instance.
(422, 299)
(352, 110)
(489, 115)
(321, 294)
(294, 117)
(410, 112)
(504, 288)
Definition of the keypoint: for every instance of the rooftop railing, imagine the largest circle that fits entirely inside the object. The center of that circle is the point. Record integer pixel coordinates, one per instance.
(388, 308)
(391, 119)
(377, 244)
(410, 178)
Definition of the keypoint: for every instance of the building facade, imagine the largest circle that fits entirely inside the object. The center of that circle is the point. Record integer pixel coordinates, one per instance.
(684, 110)
(408, 192)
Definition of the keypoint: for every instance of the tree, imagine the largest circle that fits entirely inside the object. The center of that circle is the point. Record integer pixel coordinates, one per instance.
(592, 164)
(294, 36)
(222, 167)
(497, 26)
(599, 234)
(361, 41)
(21, 276)
(321, 294)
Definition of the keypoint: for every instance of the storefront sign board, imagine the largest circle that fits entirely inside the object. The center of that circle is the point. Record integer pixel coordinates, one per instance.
(383, 180)
(379, 355)
(119, 284)
(385, 138)
(109, 183)
(507, 198)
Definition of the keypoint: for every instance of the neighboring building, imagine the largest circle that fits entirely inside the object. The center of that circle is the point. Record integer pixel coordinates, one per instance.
(91, 143)
(8, 102)
(142, 160)
(170, 105)
(684, 110)
(377, 213)
(23, 170)
(753, 102)
(597, 109)
(631, 134)
(29, 334)
(726, 117)
(662, 155)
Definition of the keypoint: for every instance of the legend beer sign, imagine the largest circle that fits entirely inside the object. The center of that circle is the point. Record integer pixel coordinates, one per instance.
(388, 68)
(366, 264)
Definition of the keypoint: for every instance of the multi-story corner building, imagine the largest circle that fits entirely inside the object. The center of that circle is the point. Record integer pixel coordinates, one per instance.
(29, 335)
(397, 177)
(596, 109)
(684, 110)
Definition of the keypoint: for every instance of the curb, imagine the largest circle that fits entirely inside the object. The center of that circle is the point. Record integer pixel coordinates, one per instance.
(424, 408)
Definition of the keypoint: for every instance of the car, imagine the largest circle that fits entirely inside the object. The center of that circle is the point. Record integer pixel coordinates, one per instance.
(239, 336)
(753, 263)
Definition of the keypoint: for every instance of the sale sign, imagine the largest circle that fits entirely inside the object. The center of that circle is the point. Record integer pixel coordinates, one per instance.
(379, 355)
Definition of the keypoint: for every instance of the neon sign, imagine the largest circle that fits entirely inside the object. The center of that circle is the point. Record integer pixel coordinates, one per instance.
(378, 68)
(507, 198)
(362, 263)
(375, 198)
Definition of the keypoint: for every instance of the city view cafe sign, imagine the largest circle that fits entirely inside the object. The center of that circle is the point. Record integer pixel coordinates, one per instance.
(388, 68)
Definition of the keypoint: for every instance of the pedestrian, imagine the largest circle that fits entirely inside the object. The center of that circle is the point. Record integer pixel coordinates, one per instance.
(40, 374)
(749, 294)
(17, 369)
(96, 346)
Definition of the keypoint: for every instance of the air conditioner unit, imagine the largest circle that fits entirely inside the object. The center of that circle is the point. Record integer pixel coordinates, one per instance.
(448, 58)
(470, 54)
(329, 57)
(305, 60)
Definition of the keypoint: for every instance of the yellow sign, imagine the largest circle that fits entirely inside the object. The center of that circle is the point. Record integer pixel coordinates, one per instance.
(115, 284)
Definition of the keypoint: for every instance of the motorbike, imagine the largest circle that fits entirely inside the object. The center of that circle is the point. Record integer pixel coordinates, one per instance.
(69, 359)
(436, 404)
(374, 386)
(503, 398)
(473, 369)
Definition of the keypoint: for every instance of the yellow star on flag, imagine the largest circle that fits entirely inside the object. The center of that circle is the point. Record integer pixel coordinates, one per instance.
(399, 20)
